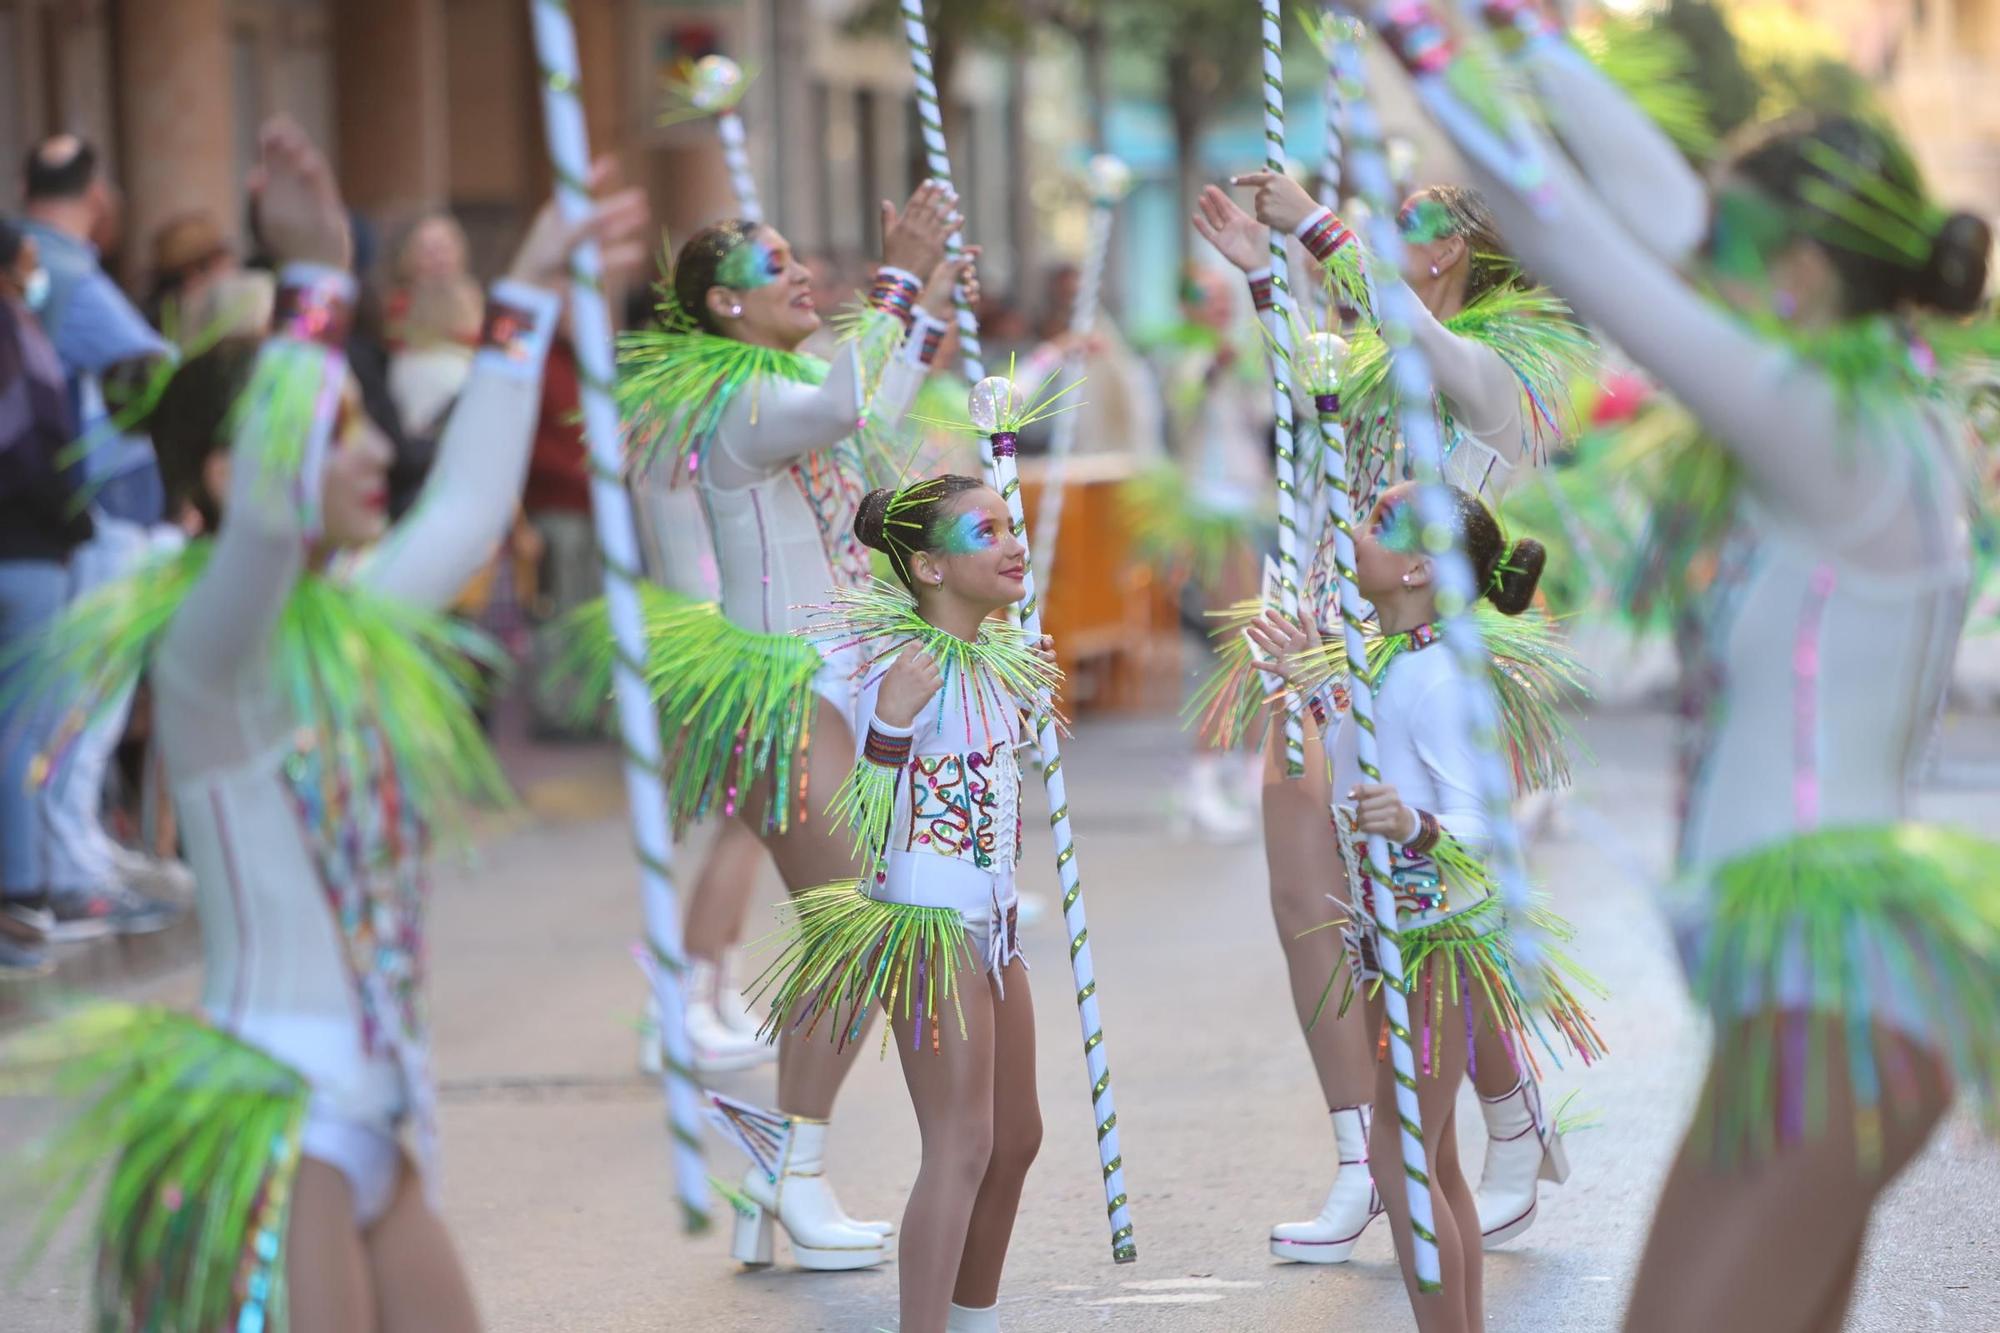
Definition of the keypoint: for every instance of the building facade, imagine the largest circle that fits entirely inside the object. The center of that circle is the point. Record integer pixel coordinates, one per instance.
(429, 104)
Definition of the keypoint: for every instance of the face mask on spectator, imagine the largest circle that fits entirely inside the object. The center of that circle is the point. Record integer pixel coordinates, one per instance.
(35, 290)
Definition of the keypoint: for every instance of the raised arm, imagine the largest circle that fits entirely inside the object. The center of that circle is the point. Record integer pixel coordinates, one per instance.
(475, 484)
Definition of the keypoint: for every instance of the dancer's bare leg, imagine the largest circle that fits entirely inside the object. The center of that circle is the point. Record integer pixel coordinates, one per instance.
(1802, 1212)
(326, 1269)
(720, 902)
(1017, 1137)
(809, 853)
(1459, 1308)
(420, 1285)
(1303, 858)
(951, 1085)
(1495, 1072)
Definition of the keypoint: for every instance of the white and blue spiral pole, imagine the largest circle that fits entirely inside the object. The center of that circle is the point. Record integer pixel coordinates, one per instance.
(618, 547)
(937, 156)
(1320, 362)
(998, 413)
(714, 86)
(1109, 180)
(1278, 322)
(1424, 450)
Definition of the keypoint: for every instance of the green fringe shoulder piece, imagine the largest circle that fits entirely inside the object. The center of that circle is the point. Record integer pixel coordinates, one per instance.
(196, 1138)
(1533, 674)
(845, 953)
(998, 670)
(1894, 923)
(1228, 709)
(676, 381)
(350, 662)
(1177, 536)
(1535, 334)
(735, 705)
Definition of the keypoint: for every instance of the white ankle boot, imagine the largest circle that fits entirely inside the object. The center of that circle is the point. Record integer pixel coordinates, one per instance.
(964, 1320)
(1350, 1205)
(729, 1002)
(797, 1197)
(1522, 1147)
(1204, 806)
(718, 1047)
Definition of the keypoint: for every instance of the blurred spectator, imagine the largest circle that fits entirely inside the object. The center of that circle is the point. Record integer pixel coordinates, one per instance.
(1118, 408)
(41, 522)
(434, 310)
(190, 255)
(71, 210)
(557, 505)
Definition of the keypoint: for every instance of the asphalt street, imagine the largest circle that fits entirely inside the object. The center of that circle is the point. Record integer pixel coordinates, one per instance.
(557, 1182)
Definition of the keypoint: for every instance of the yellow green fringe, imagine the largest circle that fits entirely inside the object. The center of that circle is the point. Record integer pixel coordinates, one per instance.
(1178, 537)
(845, 952)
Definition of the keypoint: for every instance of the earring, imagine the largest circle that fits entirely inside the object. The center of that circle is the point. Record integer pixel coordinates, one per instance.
(1406, 580)
(938, 582)
(736, 310)
(1434, 270)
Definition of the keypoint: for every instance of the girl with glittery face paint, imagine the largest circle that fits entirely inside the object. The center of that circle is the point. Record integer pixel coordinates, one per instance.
(929, 927)
(779, 447)
(1801, 304)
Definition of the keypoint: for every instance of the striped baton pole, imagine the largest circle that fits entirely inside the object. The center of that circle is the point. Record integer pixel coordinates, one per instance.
(995, 411)
(618, 545)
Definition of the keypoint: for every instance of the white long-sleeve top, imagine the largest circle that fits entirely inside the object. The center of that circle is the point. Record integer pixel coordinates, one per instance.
(781, 482)
(1826, 641)
(1425, 749)
(334, 998)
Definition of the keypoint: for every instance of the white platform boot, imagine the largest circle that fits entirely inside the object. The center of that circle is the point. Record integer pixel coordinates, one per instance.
(729, 1000)
(1350, 1205)
(963, 1319)
(796, 1197)
(1522, 1148)
(718, 1047)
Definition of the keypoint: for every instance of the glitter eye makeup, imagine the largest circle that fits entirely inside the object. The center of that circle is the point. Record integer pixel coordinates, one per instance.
(1425, 221)
(749, 266)
(968, 534)
(1396, 529)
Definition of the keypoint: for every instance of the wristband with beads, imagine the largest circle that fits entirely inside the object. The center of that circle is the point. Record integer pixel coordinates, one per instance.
(1417, 38)
(1324, 235)
(314, 305)
(886, 750)
(1260, 290)
(896, 292)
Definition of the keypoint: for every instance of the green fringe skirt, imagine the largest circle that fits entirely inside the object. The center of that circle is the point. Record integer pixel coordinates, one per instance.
(196, 1136)
(843, 952)
(734, 705)
(1891, 925)
(1462, 973)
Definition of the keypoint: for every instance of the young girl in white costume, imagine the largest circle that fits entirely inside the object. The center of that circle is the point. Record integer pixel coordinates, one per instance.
(758, 722)
(928, 930)
(1502, 354)
(277, 1157)
(1849, 956)
(1467, 1004)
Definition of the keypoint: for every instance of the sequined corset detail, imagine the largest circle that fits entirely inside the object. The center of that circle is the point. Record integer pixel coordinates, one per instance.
(966, 806)
(368, 845)
(1421, 893)
(831, 482)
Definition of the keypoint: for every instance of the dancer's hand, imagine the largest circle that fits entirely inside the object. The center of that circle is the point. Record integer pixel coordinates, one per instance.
(913, 240)
(299, 212)
(614, 222)
(946, 276)
(1284, 642)
(1379, 810)
(1243, 240)
(912, 682)
(1046, 650)
(1281, 201)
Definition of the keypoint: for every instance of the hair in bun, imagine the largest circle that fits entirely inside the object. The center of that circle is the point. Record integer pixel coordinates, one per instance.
(1851, 187)
(1507, 572)
(901, 523)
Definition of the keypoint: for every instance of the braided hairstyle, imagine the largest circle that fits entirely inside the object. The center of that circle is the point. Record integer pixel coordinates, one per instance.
(900, 523)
